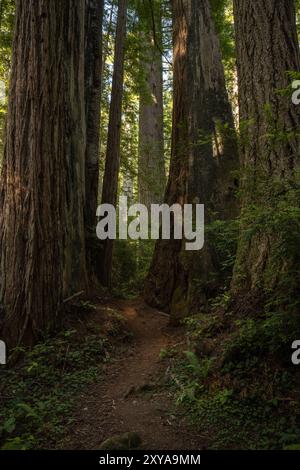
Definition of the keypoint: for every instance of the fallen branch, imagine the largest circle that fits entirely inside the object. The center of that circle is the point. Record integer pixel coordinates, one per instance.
(162, 313)
(72, 297)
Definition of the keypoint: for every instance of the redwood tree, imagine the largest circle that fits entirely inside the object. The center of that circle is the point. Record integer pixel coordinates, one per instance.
(267, 49)
(42, 193)
(93, 78)
(198, 173)
(151, 165)
(112, 161)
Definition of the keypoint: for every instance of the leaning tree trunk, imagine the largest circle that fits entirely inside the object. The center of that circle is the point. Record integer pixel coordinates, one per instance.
(112, 162)
(198, 173)
(151, 165)
(267, 48)
(41, 225)
(93, 77)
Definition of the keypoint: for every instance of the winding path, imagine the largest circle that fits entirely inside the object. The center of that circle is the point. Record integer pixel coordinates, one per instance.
(132, 397)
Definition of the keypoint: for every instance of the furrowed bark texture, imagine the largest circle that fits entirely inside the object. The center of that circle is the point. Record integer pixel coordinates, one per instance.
(41, 225)
(93, 76)
(112, 162)
(198, 174)
(151, 168)
(267, 48)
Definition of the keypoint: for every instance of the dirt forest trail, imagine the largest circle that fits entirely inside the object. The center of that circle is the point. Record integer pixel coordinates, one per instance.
(130, 397)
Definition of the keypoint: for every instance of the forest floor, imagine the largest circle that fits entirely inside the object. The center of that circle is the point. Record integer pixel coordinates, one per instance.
(117, 366)
(132, 395)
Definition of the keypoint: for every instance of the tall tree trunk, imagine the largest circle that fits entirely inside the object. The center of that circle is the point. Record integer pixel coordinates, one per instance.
(41, 225)
(93, 77)
(267, 48)
(198, 174)
(112, 162)
(151, 166)
(106, 38)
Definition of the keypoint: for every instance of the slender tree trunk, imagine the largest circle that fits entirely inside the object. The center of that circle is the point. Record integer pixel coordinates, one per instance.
(267, 48)
(109, 31)
(112, 162)
(93, 77)
(41, 224)
(198, 174)
(151, 167)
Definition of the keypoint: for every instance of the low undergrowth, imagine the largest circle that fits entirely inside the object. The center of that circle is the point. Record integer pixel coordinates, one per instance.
(39, 394)
(236, 382)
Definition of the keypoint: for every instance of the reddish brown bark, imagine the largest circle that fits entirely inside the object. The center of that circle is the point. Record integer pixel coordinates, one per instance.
(93, 78)
(41, 225)
(267, 48)
(197, 175)
(151, 165)
(112, 162)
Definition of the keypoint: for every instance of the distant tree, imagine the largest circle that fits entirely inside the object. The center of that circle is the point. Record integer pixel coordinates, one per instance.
(7, 14)
(112, 162)
(151, 167)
